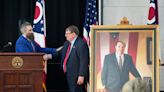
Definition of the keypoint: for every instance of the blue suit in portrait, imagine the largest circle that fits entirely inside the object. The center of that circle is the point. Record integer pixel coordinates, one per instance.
(113, 78)
(25, 45)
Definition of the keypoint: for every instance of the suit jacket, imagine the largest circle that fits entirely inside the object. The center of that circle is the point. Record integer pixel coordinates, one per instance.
(112, 77)
(24, 45)
(78, 60)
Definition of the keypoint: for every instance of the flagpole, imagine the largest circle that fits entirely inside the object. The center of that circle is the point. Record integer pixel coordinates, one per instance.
(156, 7)
(100, 11)
(40, 33)
(44, 18)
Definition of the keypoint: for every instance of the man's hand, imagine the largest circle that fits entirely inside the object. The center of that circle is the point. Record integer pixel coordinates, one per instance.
(80, 80)
(47, 57)
(59, 48)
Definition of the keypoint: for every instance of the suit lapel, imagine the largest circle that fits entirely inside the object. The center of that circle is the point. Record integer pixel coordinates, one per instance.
(65, 49)
(73, 49)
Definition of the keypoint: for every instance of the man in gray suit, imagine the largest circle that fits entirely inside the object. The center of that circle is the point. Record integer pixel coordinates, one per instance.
(116, 69)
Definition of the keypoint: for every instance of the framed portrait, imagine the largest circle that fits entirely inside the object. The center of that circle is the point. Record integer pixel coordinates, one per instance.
(105, 73)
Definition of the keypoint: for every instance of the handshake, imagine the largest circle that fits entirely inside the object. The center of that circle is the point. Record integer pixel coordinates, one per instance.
(49, 56)
(59, 48)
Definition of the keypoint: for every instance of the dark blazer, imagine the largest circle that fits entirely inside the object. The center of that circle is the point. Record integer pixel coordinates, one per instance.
(112, 77)
(78, 60)
(24, 45)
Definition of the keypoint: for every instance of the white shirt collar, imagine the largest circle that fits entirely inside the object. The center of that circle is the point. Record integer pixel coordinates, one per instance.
(117, 54)
(118, 57)
(24, 35)
(73, 41)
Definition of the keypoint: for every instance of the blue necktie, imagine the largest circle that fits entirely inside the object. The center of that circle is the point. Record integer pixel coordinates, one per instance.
(33, 47)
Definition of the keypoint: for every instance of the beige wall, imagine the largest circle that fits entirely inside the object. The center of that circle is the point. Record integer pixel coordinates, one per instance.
(141, 62)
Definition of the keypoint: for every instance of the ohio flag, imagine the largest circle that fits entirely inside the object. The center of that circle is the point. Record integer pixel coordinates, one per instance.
(39, 28)
(153, 12)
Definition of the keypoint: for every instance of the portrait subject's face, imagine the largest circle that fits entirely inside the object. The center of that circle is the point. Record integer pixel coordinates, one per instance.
(120, 47)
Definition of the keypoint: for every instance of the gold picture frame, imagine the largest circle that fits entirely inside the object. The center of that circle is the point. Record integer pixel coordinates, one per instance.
(101, 45)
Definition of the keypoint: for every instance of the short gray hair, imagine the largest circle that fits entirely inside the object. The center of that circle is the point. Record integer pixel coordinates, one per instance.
(73, 29)
(23, 26)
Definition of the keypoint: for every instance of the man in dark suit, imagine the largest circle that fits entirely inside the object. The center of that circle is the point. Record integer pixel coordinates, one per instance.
(75, 60)
(116, 69)
(26, 43)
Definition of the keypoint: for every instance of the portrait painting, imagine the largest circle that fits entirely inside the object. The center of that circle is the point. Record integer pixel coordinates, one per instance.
(105, 71)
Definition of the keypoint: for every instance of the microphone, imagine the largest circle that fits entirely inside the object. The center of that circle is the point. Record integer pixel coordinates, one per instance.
(9, 44)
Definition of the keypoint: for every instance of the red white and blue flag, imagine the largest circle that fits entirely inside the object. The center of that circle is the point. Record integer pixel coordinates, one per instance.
(153, 12)
(90, 19)
(39, 27)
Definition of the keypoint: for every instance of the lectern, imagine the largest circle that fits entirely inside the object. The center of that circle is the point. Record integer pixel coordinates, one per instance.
(21, 72)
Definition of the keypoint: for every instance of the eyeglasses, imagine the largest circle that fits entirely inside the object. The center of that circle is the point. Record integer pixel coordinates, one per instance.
(67, 33)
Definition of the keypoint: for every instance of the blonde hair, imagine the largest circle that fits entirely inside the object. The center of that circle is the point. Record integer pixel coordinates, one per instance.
(136, 85)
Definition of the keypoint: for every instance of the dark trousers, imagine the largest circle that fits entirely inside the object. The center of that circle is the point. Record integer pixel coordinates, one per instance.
(77, 88)
(73, 87)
